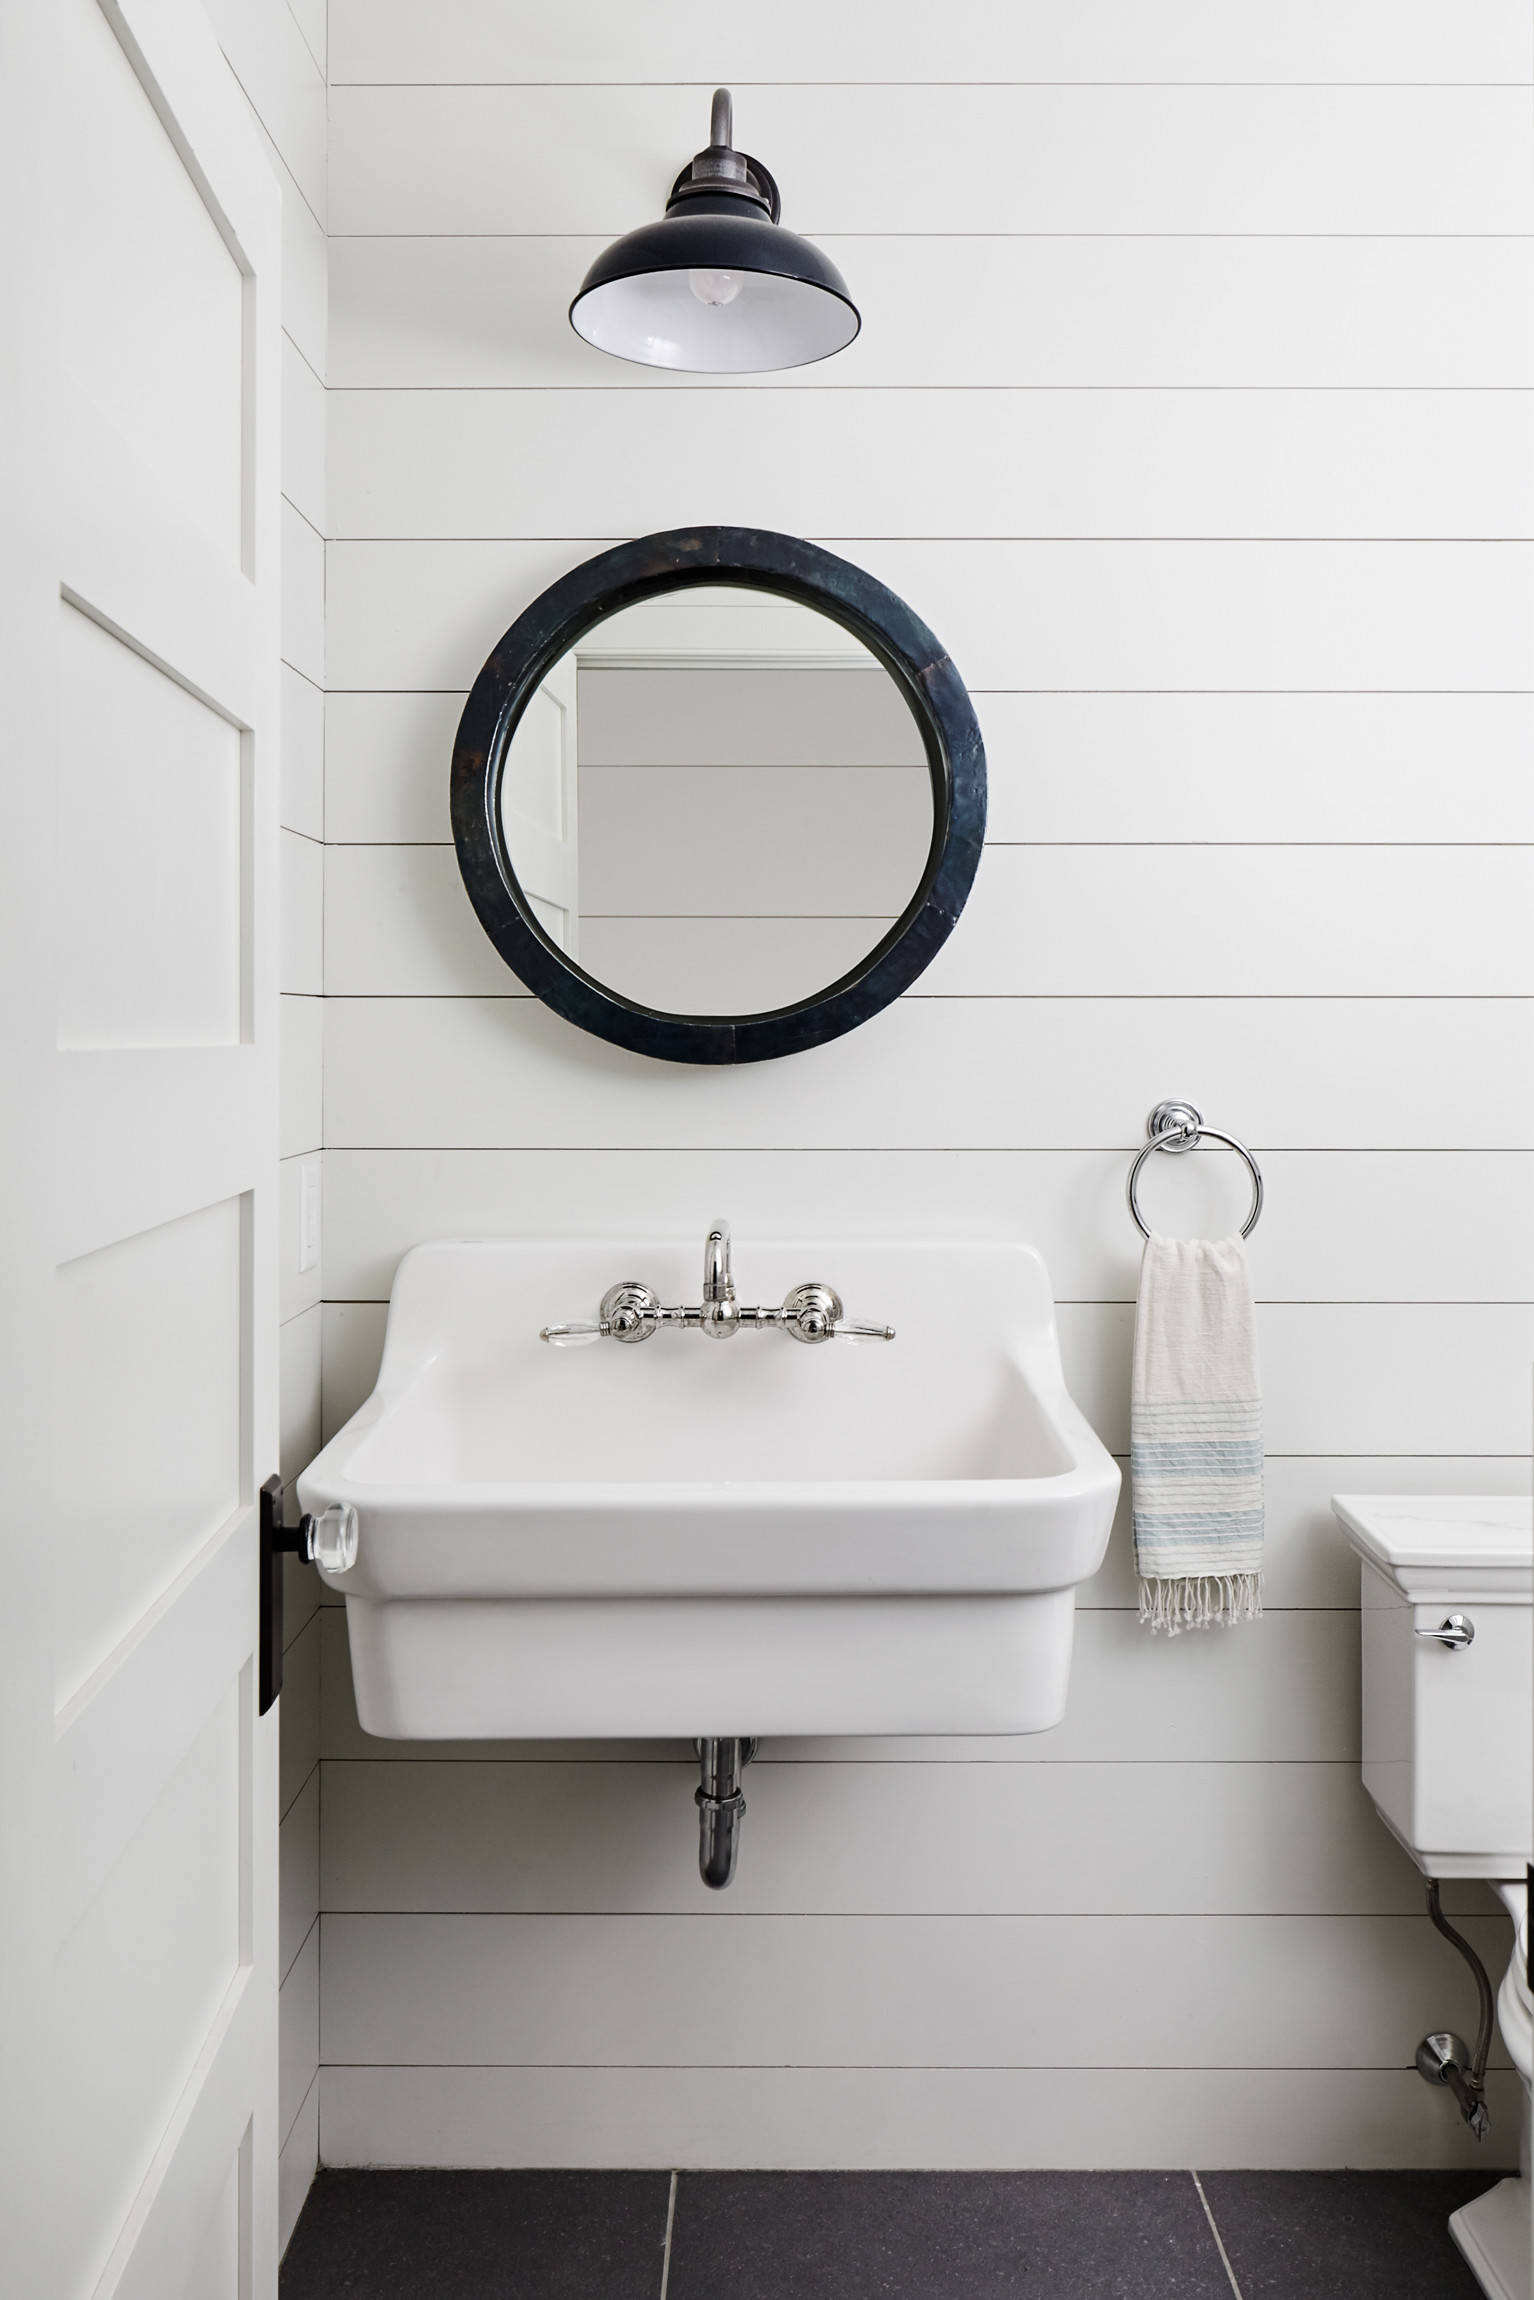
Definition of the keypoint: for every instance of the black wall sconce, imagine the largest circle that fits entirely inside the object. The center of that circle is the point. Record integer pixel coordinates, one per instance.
(717, 287)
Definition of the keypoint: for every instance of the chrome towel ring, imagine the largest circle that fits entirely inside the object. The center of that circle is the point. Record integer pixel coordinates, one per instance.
(1178, 1126)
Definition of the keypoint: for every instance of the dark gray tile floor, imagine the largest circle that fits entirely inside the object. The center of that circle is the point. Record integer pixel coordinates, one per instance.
(942, 2236)
(879, 2236)
(479, 2236)
(1372, 2235)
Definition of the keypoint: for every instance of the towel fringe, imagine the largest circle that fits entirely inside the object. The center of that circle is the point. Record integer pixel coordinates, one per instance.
(1200, 1600)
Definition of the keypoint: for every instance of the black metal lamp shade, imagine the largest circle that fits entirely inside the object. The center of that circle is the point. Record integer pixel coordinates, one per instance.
(717, 286)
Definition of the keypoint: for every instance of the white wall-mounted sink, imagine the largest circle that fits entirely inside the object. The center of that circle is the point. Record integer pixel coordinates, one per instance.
(688, 1538)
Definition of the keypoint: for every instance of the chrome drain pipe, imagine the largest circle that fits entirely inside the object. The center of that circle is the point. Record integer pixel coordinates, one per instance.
(720, 1806)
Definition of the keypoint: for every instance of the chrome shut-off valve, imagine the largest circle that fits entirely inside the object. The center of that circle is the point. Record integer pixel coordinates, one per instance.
(631, 1311)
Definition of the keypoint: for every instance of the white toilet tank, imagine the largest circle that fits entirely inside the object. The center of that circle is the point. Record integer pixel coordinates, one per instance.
(1448, 1731)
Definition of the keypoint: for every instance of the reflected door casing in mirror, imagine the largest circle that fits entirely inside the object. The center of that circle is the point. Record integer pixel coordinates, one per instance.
(539, 800)
(756, 826)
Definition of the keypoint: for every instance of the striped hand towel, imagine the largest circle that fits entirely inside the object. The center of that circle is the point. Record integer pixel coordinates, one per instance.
(1195, 1435)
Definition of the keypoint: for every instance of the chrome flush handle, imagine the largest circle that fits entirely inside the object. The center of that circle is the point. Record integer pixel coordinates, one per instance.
(1456, 1631)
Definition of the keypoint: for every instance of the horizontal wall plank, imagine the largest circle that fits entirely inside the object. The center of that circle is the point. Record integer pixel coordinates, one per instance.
(297, 2165)
(302, 883)
(939, 1073)
(874, 1839)
(1262, 922)
(301, 1585)
(1225, 768)
(1142, 769)
(1380, 1377)
(841, 1833)
(386, 766)
(1088, 921)
(302, 1029)
(1043, 616)
(921, 2120)
(299, 1390)
(303, 755)
(298, 1872)
(399, 923)
(1031, 40)
(298, 2034)
(303, 596)
(1210, 312)
(297, 1290)
(303, 435)
(979, 158)
(1040, 462)
(1357, 1225)
(973, 1992)
(352, 1340)
(299, 1744)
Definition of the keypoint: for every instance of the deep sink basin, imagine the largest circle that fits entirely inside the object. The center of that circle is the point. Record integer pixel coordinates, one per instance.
(690, 1537)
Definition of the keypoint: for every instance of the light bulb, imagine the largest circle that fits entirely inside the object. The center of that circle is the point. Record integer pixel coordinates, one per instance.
(716, 287)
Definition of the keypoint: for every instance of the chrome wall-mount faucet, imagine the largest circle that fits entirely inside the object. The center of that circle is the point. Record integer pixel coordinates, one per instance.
(631, 1311)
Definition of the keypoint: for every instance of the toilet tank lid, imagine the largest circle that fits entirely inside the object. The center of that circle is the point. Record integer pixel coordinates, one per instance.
(1434, 1544)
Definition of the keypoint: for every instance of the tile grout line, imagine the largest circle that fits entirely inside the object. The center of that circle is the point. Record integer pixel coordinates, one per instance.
(1213, 2230)
(665, 2263)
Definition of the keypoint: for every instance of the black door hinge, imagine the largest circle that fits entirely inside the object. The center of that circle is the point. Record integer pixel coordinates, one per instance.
(277, 1542)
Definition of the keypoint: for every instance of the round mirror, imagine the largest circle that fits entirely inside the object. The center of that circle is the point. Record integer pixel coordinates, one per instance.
(718, 796)
(717, 802)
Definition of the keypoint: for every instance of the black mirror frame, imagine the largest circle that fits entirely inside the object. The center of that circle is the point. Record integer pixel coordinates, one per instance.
(749, 558)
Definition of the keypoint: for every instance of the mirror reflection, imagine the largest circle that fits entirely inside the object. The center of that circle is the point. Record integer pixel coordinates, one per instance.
(718, 802)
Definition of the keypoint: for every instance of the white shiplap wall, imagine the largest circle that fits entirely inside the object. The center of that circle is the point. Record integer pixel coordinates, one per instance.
(1190, 411)
(276, 52)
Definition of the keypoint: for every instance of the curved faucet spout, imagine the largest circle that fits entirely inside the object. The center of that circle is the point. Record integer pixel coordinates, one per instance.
(718, 1285)
(721, 1311)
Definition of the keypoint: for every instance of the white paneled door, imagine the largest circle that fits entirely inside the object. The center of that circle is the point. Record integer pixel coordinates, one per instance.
(140, 373)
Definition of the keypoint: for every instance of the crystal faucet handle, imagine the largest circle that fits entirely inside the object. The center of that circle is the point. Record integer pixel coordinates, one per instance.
(629, 1312)
(813, 1313)
(332, 1539)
